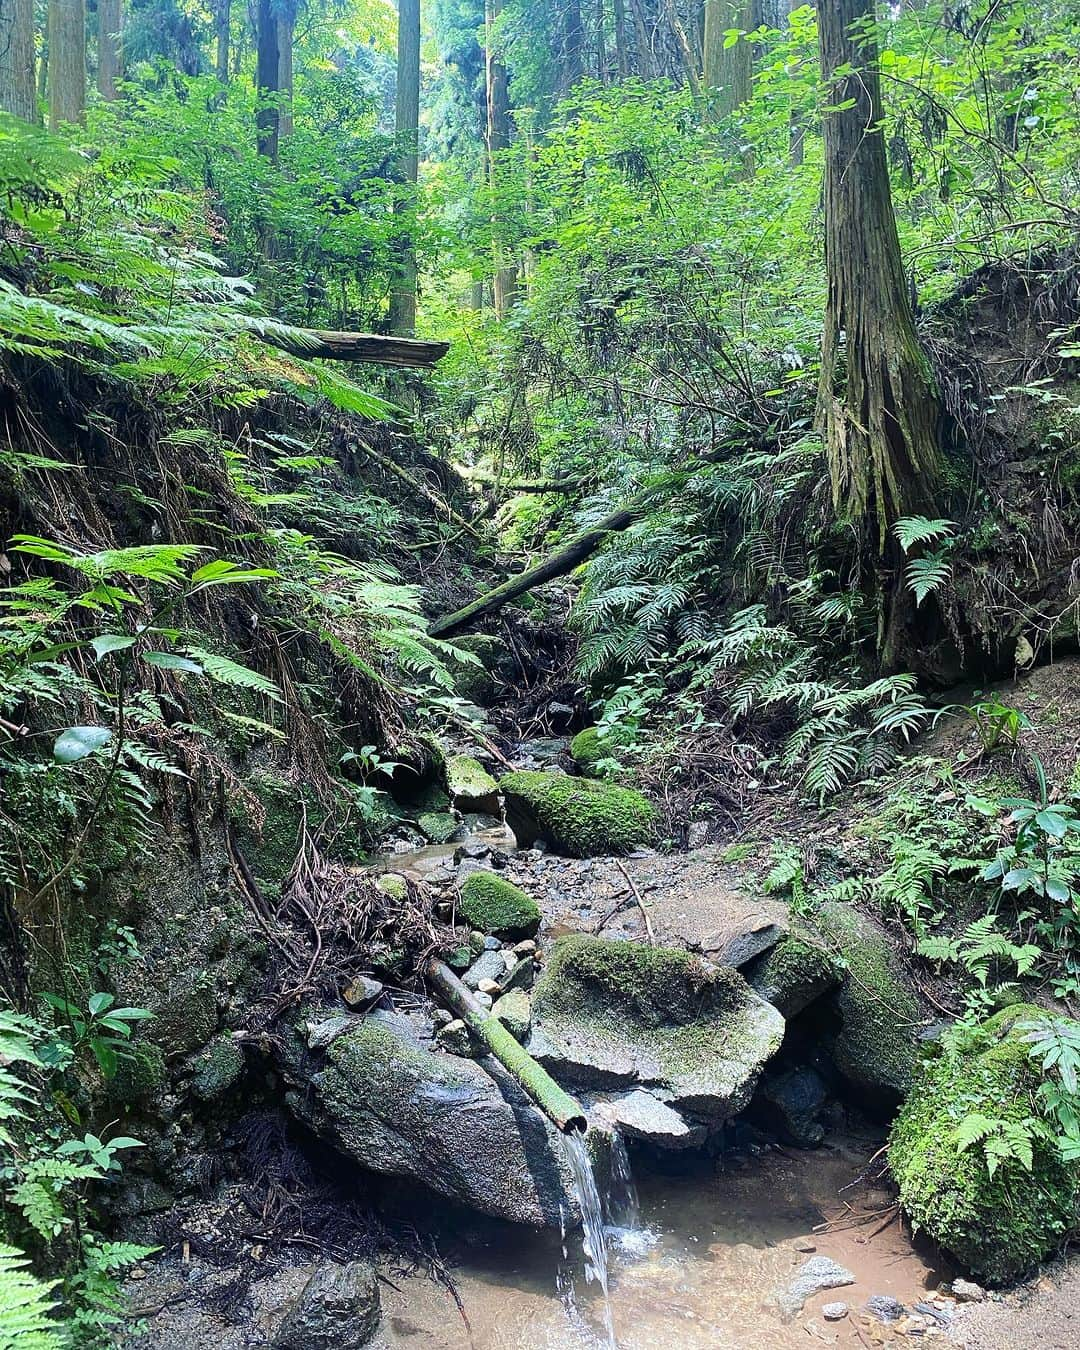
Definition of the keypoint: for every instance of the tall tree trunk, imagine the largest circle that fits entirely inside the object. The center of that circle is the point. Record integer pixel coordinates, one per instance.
(110, 21)
(67, 62)
(728, 69)
(689, 57)
(18, 94)
(267, 75)
(498, 139)
(402, 316)
(881, 431)
(622, 52)
(646, 60)
(601, 42)
(286, 26)
(573, 43)
(222, 23)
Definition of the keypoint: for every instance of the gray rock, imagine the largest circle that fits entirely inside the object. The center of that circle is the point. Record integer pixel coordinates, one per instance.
(726, 925)
(794, 973)
(522, 976)
(514, 1011)
(489, 965)
(795, 1098)
(492, 944)
(454, 1038)
(617, 1014)
(338, 1309)
(967, 1291)
(464, 1130)
(362, 990)
(834, 1312)
(885, 1308)
(641, 1115)
(819, 1273)
(483, 999)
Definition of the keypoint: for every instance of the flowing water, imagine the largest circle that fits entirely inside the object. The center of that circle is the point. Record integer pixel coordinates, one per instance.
(594, 1239)
(716, 1238)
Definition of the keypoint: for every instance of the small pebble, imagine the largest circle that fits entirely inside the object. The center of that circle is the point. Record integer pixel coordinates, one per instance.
(526, 948)
(885, 1308)
(967, 1291)
(803, 1244)
(492, 944)
(834, 1312)
(483, 999)
(488, 987)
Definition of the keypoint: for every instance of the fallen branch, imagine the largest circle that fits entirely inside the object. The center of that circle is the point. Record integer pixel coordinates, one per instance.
(559, 1107)
(373, 348)
(528, 485)
(556, 564)
(640, 903)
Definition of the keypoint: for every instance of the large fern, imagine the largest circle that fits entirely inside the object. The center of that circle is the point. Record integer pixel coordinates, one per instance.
(26, 1306)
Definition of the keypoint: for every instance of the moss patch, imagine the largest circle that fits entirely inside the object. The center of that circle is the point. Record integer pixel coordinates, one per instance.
(438, 826)
(217, 1069)
(997, 1226)
(495, 906)
(470, 784)
(876, 1047)
(577, 816)
(794, 973)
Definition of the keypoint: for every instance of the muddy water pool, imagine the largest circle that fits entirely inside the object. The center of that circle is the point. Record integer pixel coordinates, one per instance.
(715, 1239)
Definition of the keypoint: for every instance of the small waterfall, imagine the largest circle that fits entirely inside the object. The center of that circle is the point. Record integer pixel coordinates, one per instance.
(622, 1206)
(592, 1222)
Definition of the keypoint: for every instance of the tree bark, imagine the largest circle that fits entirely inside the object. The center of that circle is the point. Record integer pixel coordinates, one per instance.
(728, 70)
(374, 348)
(573, 44)
(646, 61)
(18, 92)
(881, 430)
(267, 75)
(689, 59)
(556, 564)
(110, 21)
(559, 1107)
(498, 139)
(222, 23)
(622, 53)
(402, 316)
(286, 28)
(67, 62)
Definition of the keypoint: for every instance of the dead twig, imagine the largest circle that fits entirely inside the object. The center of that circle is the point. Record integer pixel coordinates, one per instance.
(640, 903)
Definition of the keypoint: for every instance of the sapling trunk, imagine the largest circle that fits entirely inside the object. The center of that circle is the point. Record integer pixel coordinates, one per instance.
(559, 1107)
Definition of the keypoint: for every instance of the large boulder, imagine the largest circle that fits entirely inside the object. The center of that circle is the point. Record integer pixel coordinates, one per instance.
(471, 786)
(876, 1047)
(462, 1129)
(996, 1214)
(577, 816)
(611, 1016)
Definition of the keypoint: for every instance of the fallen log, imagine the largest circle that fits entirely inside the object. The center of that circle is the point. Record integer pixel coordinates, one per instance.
(556, 564)
(559, 1107)
(374, 348)
(527, 485)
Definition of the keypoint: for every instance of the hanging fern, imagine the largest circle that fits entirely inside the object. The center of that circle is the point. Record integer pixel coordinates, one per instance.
(26, 1306)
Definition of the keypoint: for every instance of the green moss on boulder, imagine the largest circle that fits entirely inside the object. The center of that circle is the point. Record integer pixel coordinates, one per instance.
(470, 785)
(794, 973)
(996, 1226)
(493, 905)
(219, 1068)
(588, 747)
(439, 827)
(876, 1047)
(577, 816)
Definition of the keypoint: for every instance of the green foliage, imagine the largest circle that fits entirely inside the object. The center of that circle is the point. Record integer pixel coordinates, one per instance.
(26, 1306)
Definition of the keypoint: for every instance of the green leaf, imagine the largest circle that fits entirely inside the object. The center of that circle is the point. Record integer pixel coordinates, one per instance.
(78, 742)
(99, 1002)
(171, 661)
(110, 642)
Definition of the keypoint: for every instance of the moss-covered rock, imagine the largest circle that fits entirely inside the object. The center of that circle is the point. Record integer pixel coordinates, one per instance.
(588, 747)
(140, 1074)
(219, 1068)
(577, 816)
(185, 1021)
(997, 1226)
(439, 827)
(270, 845)
(876, 1047)
(616, 1014)
(797, 971)
(470, 785)
(493, 905)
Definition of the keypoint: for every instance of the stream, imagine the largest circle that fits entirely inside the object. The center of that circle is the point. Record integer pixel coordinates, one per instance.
(715, 1238)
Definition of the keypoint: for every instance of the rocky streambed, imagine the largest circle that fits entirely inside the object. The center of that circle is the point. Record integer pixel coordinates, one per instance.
(749, 1058)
